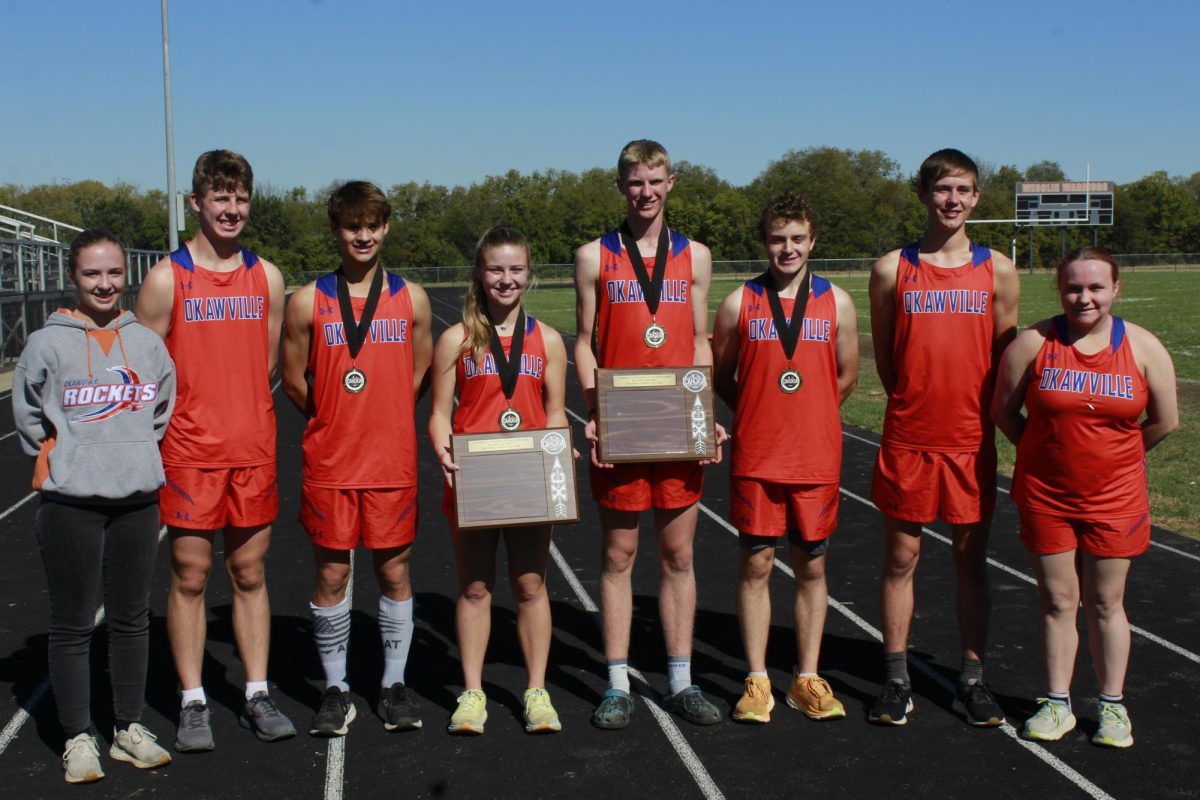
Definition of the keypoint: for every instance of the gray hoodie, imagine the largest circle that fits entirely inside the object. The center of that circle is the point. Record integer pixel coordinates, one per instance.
(92, 405)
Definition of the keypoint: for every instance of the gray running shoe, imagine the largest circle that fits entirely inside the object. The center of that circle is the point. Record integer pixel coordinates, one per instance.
(693, 706)
(81, 760)
(194, 734)
(396, 710)
(262, 715)
(334, 716)
(138, 746)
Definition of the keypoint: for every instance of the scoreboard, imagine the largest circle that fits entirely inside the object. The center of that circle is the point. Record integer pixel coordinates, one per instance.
(1065, 202)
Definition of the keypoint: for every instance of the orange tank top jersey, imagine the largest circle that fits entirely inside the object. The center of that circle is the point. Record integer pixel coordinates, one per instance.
(942, 355)
(779, 437)
(480, 397)
(365, 440)
(623, 315)
(224, 415)
(1081, 454)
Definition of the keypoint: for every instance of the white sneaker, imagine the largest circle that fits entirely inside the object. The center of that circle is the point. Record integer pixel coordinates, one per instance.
(139, 747)
(81, 760)
(1115, 728)
(1051, 722)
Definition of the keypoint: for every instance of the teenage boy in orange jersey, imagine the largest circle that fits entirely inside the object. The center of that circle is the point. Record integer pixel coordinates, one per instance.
(219, 308)
(361, 334)
(942, 312)
(630, 333)
(786, 357)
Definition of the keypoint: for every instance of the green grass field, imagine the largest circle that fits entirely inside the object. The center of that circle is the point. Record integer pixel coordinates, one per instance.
(1163, 302)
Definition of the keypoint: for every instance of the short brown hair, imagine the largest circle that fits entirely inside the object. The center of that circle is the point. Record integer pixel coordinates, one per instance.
(942, 163)
(1086, 253)
(359, 200)
(786, 207)
(222, 170)
(642, 152)
(89, 238)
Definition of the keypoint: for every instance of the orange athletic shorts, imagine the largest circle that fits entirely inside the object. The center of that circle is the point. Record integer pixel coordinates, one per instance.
(765, 508)
(1113, 537)
(338, 518)
(641, 486)
(210, 499)
(920, 486)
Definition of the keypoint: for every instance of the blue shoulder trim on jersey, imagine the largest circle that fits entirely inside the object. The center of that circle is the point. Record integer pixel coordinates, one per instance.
(611, 242)
(395, 283)
(1060, 328)
(1118, 333)
(979, 254)
(758, 284)
(183, 258)
(327, 284)
(912, 254)
(678, 243)
(530, 324)
(820, 286)
(249, 258)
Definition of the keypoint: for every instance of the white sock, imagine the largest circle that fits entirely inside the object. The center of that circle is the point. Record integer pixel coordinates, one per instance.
(679, 673)
(254, 687)
(395, 629)
(189, 696)
(331, 629)
(618, 674)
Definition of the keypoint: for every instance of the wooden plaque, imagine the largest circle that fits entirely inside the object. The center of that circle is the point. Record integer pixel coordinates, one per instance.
(511, 479)
(663, 414)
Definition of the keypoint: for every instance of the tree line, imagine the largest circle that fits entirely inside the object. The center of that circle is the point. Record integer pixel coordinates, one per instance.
(865, 206)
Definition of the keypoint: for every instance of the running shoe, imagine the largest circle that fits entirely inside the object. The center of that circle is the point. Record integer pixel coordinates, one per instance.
(194, 734)
(396, 710)
(813, 695)
(471, 714)
(614, 711)
(262, 715)
(139, 747)
(756, 702)
(892, 705)
(1115, 728)
(976, 702)
(1051, 722)
(81, 760)
(334, 716)
(540, 716)
(693, 706)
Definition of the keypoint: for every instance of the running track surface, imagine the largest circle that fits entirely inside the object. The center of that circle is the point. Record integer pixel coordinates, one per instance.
(937, 754)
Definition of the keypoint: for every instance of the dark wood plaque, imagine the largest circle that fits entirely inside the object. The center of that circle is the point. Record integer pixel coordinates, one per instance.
(663, 414)
(512, 479)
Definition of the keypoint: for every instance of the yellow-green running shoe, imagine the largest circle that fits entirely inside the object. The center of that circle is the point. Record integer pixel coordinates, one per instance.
(1115, 728)
(1051, 722)
(471, 714)
(540, 716)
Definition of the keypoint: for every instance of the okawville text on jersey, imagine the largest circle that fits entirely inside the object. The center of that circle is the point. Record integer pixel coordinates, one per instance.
(673, 291)
(218, 309)
(946, 301)
(811, 330)
(383, 331)
(1078, 381)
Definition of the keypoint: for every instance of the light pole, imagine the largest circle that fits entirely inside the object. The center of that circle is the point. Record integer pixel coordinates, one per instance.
(172, 218)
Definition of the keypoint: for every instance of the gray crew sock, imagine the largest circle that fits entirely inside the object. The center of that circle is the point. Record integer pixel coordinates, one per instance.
(331, 629)
(896, 666)
(972, 671)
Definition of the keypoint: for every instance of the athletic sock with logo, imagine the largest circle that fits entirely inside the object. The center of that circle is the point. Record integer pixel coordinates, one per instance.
(395, 629)
(331, 629)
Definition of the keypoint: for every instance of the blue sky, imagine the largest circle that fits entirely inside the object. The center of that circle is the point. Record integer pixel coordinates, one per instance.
(314, 91)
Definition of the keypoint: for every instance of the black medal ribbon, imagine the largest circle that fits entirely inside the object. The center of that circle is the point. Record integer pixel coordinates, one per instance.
(651, 287)
(509, 368)
(356, 333)
(787, 330)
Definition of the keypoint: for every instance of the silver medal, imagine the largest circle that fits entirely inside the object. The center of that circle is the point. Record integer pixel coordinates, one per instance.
(790, 381)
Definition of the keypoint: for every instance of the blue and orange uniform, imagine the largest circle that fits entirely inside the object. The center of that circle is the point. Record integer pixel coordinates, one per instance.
(938, 455)
(219, 450)
(622, 318)
(346, 492)
(1080, 478)
(768, 422)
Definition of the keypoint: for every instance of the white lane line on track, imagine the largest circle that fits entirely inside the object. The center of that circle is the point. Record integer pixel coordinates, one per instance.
(1055, 763)
(1153, 543)
(18, 504)
(686, 754)
(335, 759)
(1174, 648)
(5, 436)
(39, 692)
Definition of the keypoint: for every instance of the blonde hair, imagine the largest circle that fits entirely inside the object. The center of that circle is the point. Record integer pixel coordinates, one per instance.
(642, 152)
(476, 321)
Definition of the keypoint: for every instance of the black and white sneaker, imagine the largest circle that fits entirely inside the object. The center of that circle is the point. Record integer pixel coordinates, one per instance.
(334, 716)
(397, 711)
(976, 702)
(892, 705)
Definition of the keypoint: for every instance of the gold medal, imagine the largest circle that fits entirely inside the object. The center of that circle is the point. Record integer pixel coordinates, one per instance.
(510, 420)
(354, 381)
(790, 381)
(655, 335)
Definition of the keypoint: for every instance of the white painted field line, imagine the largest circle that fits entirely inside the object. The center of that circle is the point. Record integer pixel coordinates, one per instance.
(18, 504)
(335, 759)
(1174, 648)
(1057, 764)
(1153, 543)
(5, 436)
(684, 750)
(31, 702)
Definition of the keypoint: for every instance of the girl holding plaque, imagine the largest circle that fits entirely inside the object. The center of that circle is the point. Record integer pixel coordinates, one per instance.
(509, 372)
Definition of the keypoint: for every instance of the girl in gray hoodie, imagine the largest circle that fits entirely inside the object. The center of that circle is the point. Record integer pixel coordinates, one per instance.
(92, 395)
